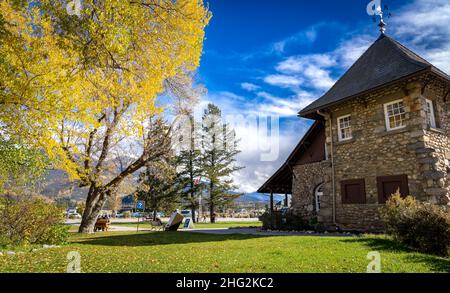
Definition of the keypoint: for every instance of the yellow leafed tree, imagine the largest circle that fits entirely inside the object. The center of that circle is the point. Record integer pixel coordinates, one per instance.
(80, 81)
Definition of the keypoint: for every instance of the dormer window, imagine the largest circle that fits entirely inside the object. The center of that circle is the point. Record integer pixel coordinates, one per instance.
(344, 127)
(395, 114)
(429, 110)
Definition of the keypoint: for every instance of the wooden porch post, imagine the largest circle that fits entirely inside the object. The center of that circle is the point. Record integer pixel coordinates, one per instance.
(271, 202)
(286, 199)
(272, 214)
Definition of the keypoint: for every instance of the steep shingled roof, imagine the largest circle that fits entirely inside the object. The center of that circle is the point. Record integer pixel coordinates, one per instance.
(385, 61)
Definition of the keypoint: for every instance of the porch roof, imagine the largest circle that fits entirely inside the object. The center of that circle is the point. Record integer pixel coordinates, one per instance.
(281, 181)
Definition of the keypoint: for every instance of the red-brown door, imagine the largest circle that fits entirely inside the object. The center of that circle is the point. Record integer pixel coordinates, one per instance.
(389, 185)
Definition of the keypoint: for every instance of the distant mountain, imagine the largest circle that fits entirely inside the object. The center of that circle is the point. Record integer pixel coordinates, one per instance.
(255, 197)
(57, 184)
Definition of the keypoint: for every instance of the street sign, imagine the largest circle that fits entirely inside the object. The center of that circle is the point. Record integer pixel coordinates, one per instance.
(188, 224)
(140, 205)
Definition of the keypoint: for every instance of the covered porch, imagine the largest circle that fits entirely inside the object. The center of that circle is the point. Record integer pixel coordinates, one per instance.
(279, 183)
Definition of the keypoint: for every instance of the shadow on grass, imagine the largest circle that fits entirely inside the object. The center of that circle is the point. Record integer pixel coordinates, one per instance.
(159, 238)
(435, 263)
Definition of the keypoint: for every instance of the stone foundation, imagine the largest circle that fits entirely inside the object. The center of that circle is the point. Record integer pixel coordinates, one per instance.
(359, 217)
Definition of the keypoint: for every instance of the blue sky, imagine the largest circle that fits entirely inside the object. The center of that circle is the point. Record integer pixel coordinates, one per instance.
(272, 58)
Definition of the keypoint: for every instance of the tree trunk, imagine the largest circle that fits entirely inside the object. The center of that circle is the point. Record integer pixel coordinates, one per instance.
(154, 202)
(94, 204)
(212, 218)
(193, 214)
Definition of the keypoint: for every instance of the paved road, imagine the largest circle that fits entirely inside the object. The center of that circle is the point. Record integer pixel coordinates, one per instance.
(132, 220)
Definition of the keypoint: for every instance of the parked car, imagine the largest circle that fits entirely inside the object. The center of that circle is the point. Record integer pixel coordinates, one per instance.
(158, 215)
(73, 215)
(137, 215)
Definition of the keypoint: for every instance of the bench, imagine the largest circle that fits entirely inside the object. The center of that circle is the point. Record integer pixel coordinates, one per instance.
(101, 225)
(156, 225)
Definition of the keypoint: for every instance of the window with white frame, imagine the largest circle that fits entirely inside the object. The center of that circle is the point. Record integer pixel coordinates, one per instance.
(429, 110)
(344, 127)
(395, 114)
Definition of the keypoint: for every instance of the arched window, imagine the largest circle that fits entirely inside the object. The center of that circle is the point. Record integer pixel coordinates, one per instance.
(318, 193)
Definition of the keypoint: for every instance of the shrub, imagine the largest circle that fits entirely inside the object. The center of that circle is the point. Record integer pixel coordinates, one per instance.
(265, 218)
(127, 214)
(287, 221)
(295, 222)
(422, 226)
(31, 221)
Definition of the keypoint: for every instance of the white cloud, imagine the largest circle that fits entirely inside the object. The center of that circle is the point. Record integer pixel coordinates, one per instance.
(316, 70)
(249, 86)
(225, 100)
(297, 64)
(306, 36)
(283, 80)
(288, 106)
(256, 171)
(252, 142)
(425, 25)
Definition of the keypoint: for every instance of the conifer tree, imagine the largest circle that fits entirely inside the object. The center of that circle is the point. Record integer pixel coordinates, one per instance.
(158, 188)
(189, 165)
(219, 148)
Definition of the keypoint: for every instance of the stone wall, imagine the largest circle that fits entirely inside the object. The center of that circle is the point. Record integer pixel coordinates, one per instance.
(436, 175)
(373, 151)
(306, 178)
(359, 217)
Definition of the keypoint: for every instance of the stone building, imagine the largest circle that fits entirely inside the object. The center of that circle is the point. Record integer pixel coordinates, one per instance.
(384, 126)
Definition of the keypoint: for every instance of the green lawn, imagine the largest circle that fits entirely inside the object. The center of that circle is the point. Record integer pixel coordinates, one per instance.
(193, 252)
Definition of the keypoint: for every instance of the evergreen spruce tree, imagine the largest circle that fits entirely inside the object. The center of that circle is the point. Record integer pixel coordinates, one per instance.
(158, 188)
(158, 183)
(219, 147)
(189, 166)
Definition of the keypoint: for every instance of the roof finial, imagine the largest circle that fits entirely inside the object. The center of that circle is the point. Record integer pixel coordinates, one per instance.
(382, 24)
(374, 9)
